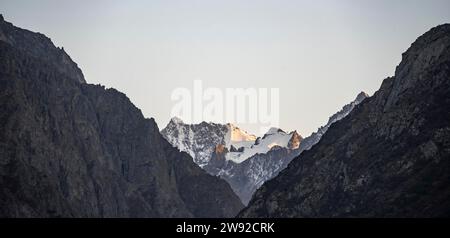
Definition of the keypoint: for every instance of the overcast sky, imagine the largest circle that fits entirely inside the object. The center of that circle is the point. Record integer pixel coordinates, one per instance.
(320, 54)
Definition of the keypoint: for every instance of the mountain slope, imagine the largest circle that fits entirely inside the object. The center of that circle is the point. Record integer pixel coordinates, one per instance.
(315, 137)
(246, 177)
(390, 157)
(71, 149)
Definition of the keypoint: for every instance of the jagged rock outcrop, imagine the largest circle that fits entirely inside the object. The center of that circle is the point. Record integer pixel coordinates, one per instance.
(390, 157)
(314, 138)
(71, 149)
(295, 140)
(198, 140)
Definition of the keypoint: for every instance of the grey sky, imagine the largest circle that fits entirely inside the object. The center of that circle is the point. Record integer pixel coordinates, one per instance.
(319, 53)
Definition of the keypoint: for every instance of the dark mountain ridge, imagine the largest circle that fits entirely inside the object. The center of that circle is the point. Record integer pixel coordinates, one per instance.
(72, 149)
(390, 157)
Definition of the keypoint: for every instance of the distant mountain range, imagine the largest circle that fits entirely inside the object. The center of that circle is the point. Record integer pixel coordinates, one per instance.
(243, 160)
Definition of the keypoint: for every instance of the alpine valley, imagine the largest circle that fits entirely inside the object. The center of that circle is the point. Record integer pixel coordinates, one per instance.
(73, 149)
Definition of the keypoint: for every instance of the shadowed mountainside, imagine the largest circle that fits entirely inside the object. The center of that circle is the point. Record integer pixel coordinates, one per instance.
(71, 149)
(390, 157)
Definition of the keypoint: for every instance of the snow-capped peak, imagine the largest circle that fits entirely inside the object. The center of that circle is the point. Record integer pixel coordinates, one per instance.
(237, 135)
(221, 149)
(200, 140)
(176, 120)
(274, 130)
(275, 137)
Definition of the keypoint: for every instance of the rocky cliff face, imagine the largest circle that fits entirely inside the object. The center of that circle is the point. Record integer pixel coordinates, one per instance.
(198, 140)
(390, 157)
(71, 149)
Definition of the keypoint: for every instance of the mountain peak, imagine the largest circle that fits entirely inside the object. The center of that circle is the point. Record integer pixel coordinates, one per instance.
(238, 135)
(37, 45)
(176, 120)
(295, 140)
(274, 130)
(361, 96)
(422, 55)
